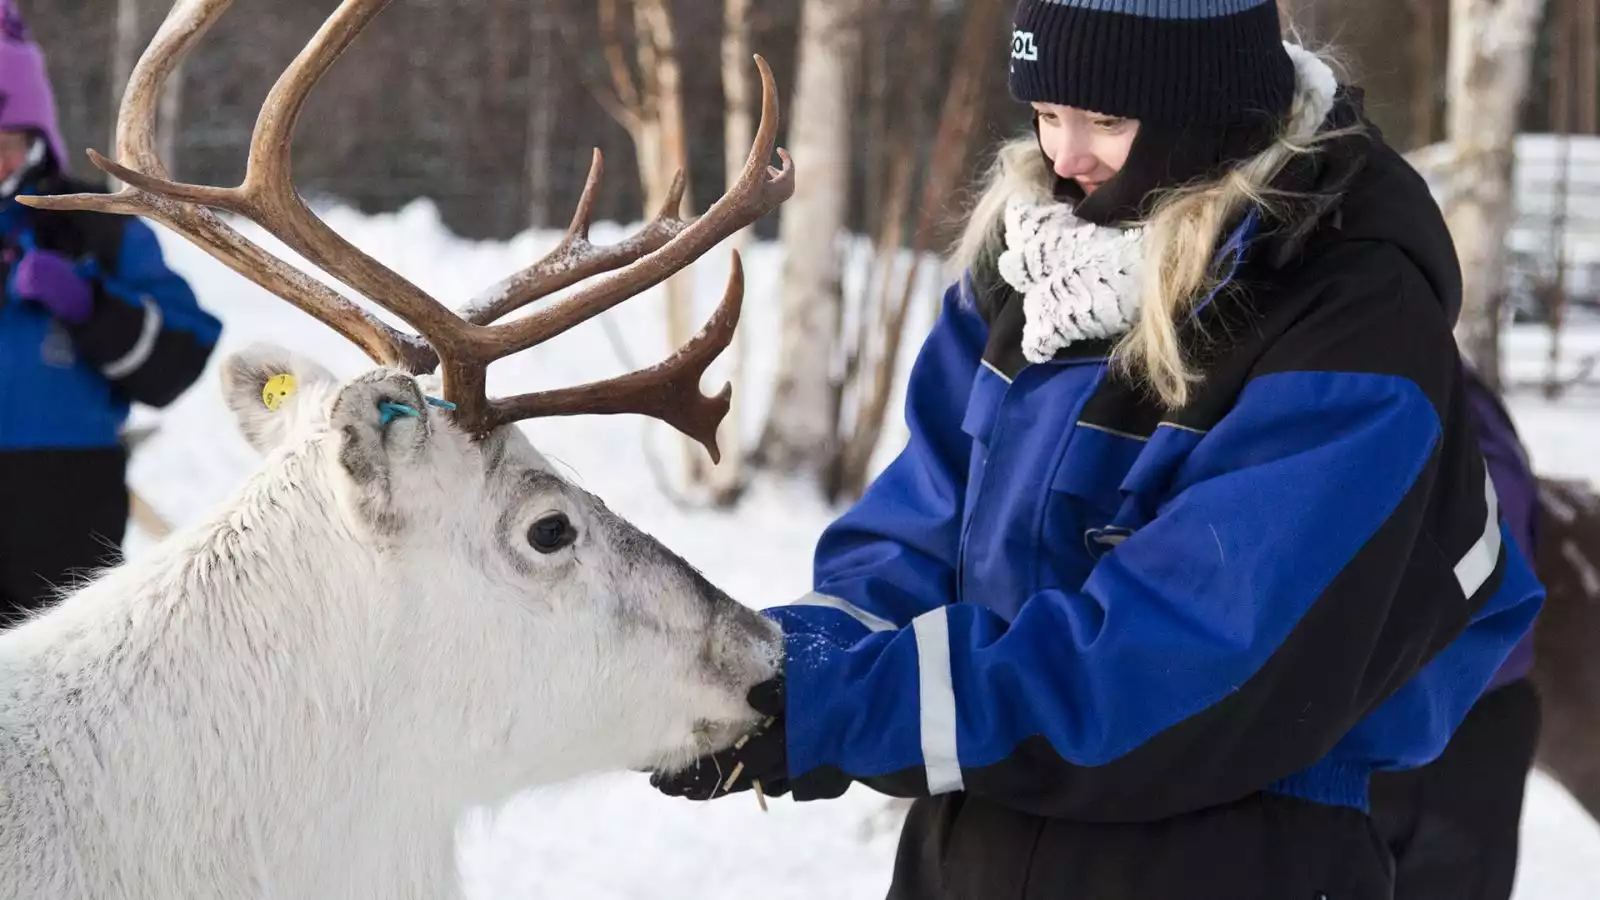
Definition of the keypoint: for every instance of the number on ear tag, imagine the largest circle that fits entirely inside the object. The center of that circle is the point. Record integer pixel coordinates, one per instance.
(278, 389)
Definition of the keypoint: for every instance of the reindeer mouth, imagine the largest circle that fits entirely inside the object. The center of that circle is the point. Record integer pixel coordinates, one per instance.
(714, 737)
(707, 737)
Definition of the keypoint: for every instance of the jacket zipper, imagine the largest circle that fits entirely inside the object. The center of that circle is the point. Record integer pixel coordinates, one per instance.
(983, 480)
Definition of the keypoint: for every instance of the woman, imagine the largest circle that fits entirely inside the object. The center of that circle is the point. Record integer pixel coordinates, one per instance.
(1191, 534)
(91, 320)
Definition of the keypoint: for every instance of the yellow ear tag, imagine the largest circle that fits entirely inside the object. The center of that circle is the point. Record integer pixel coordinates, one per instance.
(278, 389)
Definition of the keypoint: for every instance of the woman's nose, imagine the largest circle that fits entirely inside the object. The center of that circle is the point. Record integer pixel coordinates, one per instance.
(1074, 165)
(1068, 157)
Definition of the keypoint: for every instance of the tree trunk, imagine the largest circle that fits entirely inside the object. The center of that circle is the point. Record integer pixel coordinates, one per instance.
(1563, 74)
(1424, 90)
(651, 109)
(879, 80)
(727, 480)
(1374, 38)
(124, 54)
(1588, 81)
(541, 111)
(1491, 44)
(890, 179)
(951, 147)
(663, 152)
(658, 58)
(499, 48)
(799, 432)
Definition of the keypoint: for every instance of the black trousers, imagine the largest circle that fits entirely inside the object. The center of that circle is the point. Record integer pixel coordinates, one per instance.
(63, 514)
(1265, 847)
(1448, 830)
(1453, 825)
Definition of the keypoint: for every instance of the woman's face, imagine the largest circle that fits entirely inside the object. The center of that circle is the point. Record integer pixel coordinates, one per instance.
(1087, 147)
(14, 147)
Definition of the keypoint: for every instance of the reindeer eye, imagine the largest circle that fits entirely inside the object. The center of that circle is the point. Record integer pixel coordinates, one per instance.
(552, 533)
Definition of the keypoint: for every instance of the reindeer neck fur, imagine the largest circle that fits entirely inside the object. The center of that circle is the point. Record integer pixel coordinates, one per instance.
(218, 696)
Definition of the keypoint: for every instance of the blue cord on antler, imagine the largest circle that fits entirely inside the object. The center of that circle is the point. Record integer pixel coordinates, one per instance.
(388, 411)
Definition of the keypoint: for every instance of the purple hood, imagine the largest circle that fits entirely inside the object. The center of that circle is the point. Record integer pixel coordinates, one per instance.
(1517, 489)
(26, 102)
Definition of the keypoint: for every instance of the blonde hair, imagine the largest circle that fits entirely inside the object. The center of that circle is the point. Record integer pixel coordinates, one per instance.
(1182, 233)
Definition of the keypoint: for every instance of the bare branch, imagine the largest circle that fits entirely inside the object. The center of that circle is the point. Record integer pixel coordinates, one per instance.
(623, 86)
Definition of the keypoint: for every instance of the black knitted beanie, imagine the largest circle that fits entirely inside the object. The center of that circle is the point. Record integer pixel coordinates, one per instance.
(1182, 62)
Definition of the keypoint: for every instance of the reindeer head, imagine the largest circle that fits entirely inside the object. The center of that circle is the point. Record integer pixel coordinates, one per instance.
(575, 639)
(539, 576)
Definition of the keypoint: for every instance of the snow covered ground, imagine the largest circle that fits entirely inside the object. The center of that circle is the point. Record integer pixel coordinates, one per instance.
(613, 838)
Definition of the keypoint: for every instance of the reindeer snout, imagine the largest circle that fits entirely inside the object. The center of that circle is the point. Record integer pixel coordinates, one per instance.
(747, 646)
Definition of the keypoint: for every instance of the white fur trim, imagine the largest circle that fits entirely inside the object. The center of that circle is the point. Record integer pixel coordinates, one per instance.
(1314, 90)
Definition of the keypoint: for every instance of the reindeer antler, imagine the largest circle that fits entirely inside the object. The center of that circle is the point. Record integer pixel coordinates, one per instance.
(185, 25)
(464, 344)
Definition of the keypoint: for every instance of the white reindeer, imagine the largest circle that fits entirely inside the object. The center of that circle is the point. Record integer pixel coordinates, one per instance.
(405, 612)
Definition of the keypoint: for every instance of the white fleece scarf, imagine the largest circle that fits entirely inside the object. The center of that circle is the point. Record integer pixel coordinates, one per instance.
(1080, 281)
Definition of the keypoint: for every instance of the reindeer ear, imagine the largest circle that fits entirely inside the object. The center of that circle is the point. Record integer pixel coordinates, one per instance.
(271, 389)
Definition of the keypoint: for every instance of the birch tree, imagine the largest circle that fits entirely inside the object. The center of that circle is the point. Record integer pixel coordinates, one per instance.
(662, 81)
(1425, 47)
(125, 48)
(799, 431)
(1574, 78)
(726, 480)
(877, 352)
(541, 111)
(650, 107)
(1488, 70)
(128, 40)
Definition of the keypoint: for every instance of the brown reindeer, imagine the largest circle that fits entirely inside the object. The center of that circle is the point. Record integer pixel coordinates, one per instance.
(1566, 668)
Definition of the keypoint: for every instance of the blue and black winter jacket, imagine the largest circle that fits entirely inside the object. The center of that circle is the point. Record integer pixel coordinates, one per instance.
(1070, 602)
(70, 387)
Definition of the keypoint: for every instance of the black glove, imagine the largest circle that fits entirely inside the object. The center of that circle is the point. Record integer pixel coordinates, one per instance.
(761, 755)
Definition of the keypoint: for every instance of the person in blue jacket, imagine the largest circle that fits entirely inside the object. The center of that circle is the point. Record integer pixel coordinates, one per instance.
(91, 321)
(1192, 534)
